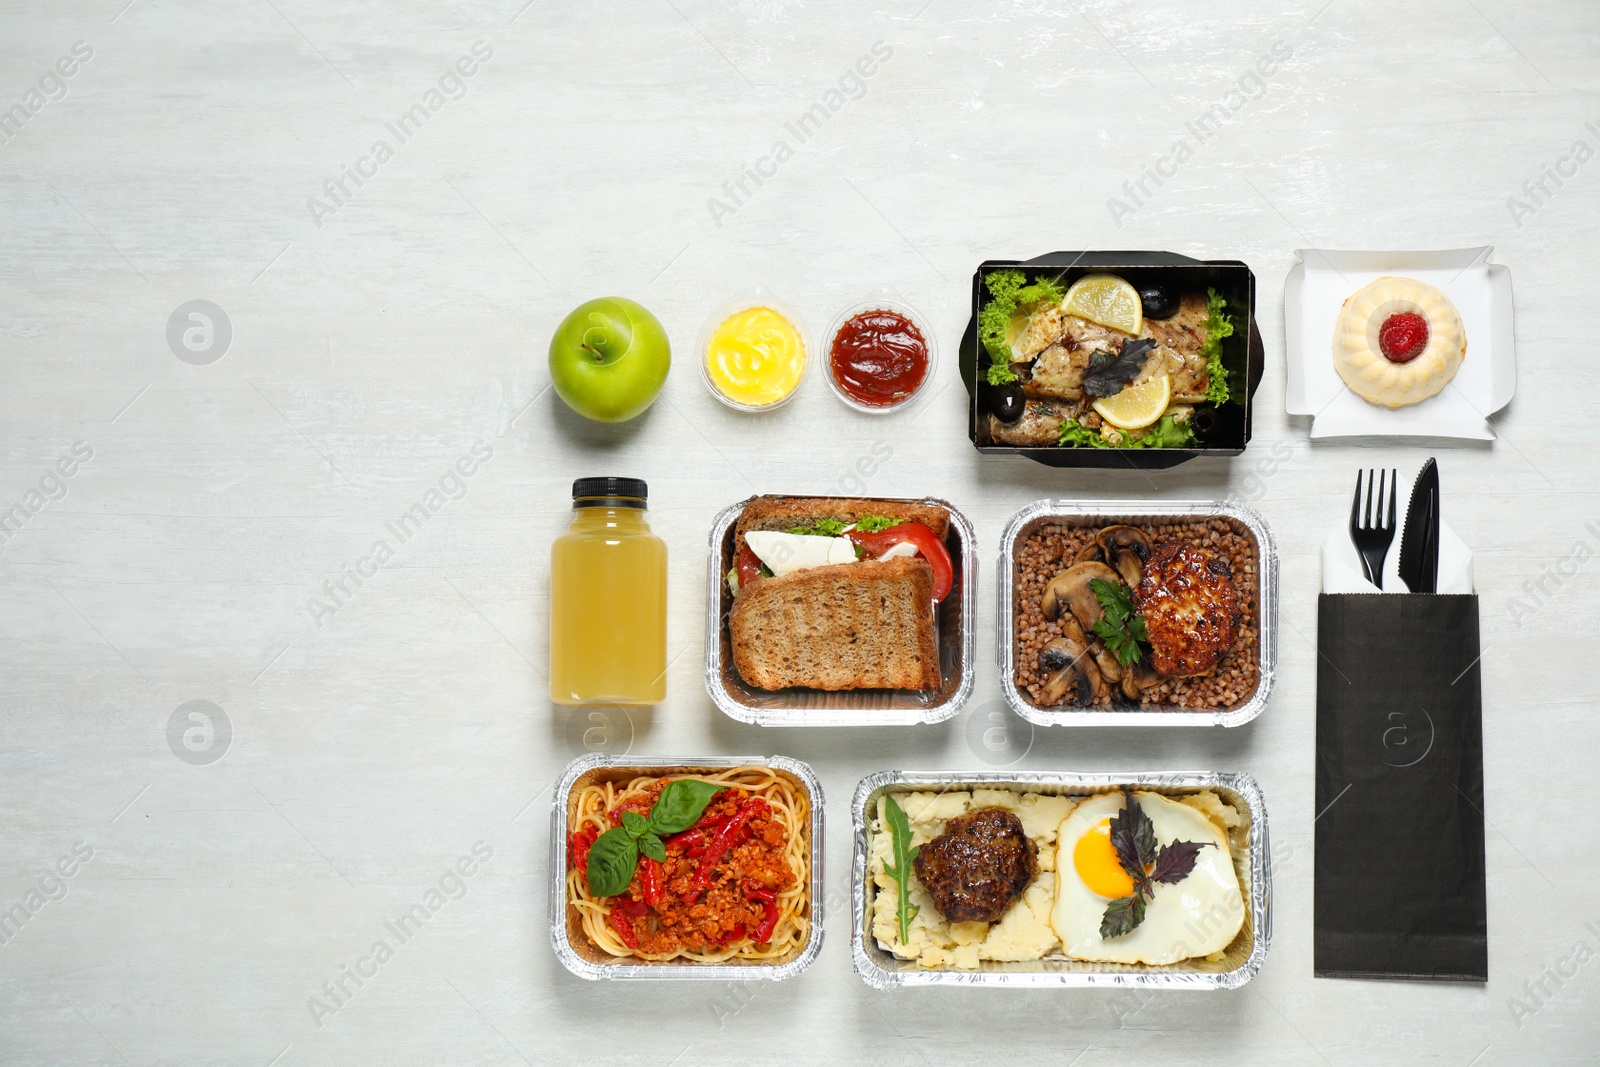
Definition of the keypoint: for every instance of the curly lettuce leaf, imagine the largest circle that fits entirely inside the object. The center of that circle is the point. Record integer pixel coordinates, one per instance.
(1009, 290)
(1168, 432)
(1218, 326)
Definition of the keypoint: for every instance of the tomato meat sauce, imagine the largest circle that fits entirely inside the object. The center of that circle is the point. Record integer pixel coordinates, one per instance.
(719, 883)
(879, 358)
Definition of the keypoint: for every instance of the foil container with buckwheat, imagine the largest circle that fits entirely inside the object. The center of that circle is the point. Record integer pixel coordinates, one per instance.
(1130, 613)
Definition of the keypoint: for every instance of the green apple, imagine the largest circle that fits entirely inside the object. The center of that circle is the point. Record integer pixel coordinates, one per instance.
(609, 359)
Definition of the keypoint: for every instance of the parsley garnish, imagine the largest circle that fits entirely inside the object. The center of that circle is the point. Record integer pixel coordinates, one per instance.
(1134, 837)
(1121, 629)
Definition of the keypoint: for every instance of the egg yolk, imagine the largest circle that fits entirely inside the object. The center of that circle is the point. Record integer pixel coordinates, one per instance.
(1095, 859)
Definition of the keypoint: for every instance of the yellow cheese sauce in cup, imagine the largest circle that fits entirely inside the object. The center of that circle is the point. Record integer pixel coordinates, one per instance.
(754, 357)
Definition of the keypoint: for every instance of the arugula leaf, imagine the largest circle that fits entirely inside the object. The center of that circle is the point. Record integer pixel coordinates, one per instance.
(1122, 916)
(612, 859)
(1110, 374)
(875, 523)
(1175, 862)
(1218, 326)
(900, 870)
(1121, 629)
(680, 805)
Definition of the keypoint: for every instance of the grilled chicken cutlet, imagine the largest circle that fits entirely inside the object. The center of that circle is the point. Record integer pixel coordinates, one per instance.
(1190, 608)
(1060, 364)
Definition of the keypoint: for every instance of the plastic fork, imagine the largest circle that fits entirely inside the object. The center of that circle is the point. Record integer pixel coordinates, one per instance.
(1373, 540)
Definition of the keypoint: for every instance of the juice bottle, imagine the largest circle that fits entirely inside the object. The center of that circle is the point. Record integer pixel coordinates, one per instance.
(608, 599)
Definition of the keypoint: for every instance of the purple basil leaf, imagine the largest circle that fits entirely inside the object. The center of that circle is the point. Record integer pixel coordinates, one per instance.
(1134, 837)
(1176, 861)
(1122, 915)
(1110, 374)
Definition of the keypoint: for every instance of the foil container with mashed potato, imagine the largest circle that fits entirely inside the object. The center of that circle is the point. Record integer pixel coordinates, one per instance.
(1249, 845)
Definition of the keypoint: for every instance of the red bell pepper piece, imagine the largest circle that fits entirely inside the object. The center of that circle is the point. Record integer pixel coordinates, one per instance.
(623, 927)
(723, 840)
(735, 934)
(637, 908)
(650, 881)
(578, 844)
(769, 915)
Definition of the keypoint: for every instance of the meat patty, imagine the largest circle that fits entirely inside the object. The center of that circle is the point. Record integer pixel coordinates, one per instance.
(979, 866)
(1190, 608)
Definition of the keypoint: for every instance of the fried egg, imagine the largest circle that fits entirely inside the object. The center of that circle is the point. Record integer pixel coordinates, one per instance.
(1194, 917)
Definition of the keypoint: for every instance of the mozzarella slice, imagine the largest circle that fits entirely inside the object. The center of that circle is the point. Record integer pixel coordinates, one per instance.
(904, 548)
(785, 553)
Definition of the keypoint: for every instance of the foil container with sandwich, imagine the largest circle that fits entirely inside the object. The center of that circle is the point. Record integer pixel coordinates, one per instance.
(881, 969)
(583, 959)
(955, 638)
(1100, 513)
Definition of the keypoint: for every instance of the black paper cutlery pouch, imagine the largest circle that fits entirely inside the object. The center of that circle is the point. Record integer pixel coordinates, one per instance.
(1399, 825)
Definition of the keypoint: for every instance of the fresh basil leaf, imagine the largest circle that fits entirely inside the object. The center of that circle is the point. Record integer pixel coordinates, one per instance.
(681, 804)
(1110, 374)
(612, 859)
(1122, 915)
(1176, 861)
(634, 823)
(652, 846)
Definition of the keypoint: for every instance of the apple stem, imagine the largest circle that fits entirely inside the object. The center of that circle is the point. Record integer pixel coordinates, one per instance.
(597, 356)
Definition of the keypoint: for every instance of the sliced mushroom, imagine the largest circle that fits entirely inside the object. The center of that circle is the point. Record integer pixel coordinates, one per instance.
(1126, 548)
(1089, 553)
(1106, 660)
(1137, 678)
(1072, 670)
(1071, 590)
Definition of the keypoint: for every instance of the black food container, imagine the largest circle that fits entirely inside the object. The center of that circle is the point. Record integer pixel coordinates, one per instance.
(1221, 432)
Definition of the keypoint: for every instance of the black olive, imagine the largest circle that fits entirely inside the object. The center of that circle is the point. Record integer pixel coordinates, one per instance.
(1007, 401)
(1159, 302)
(1203, 421)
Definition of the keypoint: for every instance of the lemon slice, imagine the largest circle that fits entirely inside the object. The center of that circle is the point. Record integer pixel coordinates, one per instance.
(1138, 405)
(1107, 300)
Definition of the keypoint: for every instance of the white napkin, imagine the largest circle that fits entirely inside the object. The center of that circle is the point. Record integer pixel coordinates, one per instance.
(1341, 563)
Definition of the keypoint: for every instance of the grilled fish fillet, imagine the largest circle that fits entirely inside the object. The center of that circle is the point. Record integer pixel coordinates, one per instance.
(1059, 367)
(1190, 608)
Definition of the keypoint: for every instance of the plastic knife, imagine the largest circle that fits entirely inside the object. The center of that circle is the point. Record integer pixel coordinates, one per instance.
(1419, 545)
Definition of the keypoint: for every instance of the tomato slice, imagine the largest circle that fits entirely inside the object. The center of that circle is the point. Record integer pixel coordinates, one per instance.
(928, 546)
(749, 565)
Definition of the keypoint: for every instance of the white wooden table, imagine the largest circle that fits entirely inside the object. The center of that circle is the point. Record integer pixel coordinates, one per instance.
(376, 337)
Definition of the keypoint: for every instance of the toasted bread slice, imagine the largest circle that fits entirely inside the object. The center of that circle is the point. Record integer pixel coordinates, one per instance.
(867, 625)
(777, 513)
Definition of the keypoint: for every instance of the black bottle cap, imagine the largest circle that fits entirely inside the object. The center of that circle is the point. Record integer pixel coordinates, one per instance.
(609, 492)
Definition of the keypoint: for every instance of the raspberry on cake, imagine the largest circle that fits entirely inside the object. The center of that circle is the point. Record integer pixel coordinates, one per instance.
(1398, 341)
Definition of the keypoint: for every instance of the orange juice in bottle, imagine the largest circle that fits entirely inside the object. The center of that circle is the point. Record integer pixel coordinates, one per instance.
(608, 599)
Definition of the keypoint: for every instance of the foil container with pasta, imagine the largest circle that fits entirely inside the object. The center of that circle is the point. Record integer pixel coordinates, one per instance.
(577, 951)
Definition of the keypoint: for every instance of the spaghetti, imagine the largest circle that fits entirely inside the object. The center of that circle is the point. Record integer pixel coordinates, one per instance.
(734, 886)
